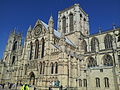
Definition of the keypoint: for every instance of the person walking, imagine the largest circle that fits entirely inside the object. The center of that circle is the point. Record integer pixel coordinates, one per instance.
(25, 87)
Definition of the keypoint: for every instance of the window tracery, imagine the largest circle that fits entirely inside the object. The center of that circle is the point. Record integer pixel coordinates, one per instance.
(108, 41)
(107, 60)
(31, 48)
(91, 62)
(15, 46)
(84, 45)
(36, 49)
(64, 24)
(94, 44)
(71, 25)
(43, 47)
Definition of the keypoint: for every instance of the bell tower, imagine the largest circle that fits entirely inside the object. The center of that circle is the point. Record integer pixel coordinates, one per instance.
(74, 22)
(13, 49)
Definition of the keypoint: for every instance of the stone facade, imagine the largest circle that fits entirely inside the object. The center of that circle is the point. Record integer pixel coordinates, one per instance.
(69, 55)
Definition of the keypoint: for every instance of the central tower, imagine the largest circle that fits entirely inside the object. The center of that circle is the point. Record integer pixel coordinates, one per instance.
(73, 22)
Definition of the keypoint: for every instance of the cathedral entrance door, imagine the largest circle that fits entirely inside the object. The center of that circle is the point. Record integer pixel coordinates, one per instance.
(32, 78)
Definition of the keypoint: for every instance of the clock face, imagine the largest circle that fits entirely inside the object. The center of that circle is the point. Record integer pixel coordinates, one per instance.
(38, 30)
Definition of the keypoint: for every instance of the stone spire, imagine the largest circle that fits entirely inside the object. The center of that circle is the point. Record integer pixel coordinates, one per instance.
(13, 32)
(100, 30)
(51, 24)
(51, 19)
(37, 23)
(114, 26)
(30, 28)
(29, 32)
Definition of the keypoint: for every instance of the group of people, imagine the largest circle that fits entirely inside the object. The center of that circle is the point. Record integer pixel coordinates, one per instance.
(9, 85)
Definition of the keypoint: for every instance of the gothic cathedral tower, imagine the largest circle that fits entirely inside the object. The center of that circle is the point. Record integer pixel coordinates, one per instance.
(73, 21)
(13, 49)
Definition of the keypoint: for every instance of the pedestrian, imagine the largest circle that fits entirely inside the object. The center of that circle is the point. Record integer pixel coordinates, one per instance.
(34, 88)
(10, 86)
(25, 87)
(50, 88)
(3, 85)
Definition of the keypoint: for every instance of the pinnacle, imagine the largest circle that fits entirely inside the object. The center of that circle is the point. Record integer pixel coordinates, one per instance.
(30, 28)
(51, 18)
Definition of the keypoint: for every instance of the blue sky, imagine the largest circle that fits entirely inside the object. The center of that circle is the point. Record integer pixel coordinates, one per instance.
(20, 14)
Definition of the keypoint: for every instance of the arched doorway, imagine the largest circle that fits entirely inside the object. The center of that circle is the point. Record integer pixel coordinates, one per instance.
(32, 78)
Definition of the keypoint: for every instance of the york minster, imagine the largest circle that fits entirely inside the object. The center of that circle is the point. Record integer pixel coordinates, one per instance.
(69, 58)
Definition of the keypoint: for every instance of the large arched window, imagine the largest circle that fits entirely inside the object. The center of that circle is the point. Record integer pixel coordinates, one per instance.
(97, 82)
(85, 82)
(71, 25)
(56, 68)
(107, 60)
(94, 44)
(31, 48)
(32, 78)
(40, 68)
(81, 20)
(64, 24)
(84, 45)
(106, 80)
(80, 83)
(43, 47)
(14, 46)
(13, 59)
(43, 67)
(108, 41)
(52, 68)
(36, 48)
(91, 62)
(25, 69)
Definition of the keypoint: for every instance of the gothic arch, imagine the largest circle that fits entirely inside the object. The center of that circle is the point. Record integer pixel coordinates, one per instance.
(43, 47)
(64, 24)
(108, 41)
(40, 67)
(107, 60)
(43, 67)
(52, 67)
(84, 45)
(26, 66)
(56, 67)
(13, 59)
(36, 49)
(97, 82)
(71, 24)
(32, 78)
(106, 82)
(14, 46)
(31, 48)
(91, 62)
(94, 44)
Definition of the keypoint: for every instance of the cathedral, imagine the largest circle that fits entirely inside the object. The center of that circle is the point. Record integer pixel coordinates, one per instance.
(69, 57)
